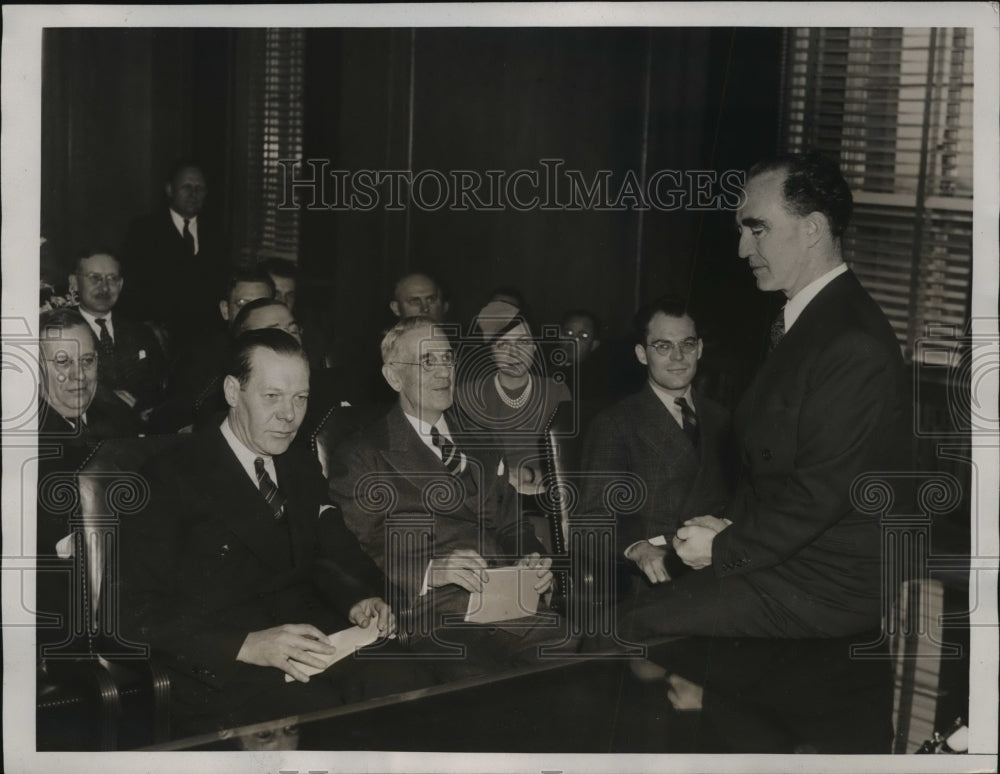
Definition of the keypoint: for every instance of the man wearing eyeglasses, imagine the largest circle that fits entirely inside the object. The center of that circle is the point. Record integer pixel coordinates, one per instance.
(670, 436)
(131, 364)
(415, 455)
(74, 414)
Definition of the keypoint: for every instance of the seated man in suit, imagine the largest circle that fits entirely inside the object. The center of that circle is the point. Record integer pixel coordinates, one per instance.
(175, 252)
(238, 568)
(131, 364)
(410, 454)
(74, 415)
(791, 561)
(670, 436)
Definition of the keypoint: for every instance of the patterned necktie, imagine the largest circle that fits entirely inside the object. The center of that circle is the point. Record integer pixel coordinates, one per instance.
(275, 499)
(106, 354)
(188, 238)
(777, 331)
(450, 455)
(689, 419)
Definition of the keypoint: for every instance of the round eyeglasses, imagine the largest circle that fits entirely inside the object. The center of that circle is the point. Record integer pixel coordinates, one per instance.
(665, 348)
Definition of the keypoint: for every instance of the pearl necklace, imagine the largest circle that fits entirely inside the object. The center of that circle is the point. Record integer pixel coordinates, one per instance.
(514, 403)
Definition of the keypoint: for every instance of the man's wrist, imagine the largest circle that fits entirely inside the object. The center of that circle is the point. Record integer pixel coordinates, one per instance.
(659, 541)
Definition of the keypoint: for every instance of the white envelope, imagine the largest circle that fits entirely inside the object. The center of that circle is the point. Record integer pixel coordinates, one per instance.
(509, 594)
(346, 642)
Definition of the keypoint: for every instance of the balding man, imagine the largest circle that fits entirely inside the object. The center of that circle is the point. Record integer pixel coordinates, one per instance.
(419, 294)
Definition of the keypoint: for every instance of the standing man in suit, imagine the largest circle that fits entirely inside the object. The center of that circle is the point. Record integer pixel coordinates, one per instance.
(412, 453)
(672, 438)
(175, 253)
(131, 364)
(791, 558)
(238, 568)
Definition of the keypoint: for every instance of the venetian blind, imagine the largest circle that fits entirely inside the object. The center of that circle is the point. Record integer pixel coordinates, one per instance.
(894, 106)
(274, 131)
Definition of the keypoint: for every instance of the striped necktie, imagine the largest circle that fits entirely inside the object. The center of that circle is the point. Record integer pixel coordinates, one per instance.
(690, 420)
(275, 499)
(450, 455)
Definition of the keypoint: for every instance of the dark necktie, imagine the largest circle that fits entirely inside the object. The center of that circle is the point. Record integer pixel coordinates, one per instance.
(188, 238)
(275, 499)
(777, 331)
(106, 356)
(450, 456)
(690, 421)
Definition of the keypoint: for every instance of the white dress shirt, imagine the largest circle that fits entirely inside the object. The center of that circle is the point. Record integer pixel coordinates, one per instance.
(246, 456)
(424, 431)
(92, 322)
(192, 227)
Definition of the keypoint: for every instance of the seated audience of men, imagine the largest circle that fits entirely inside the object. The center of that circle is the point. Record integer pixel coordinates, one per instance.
(175, 253)
(238, 569)
(412, 452)
(247, 557)
(673, 438)
(131, 363)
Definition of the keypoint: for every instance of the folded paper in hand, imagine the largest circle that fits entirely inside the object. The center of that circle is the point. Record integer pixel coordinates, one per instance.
(509, 594)
(346, 642)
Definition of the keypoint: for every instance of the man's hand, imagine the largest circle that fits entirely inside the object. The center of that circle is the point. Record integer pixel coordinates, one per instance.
(541, 565)
(283, 646)
(463, 567)
(649, 559)
(713, 523)
(693, 545)
(374, 608)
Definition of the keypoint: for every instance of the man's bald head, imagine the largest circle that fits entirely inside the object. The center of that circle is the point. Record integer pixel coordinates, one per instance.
(418, 295)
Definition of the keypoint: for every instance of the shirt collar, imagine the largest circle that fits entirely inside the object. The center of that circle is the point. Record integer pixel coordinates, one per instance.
(424, 428)
(178, 220)
(245, 456)
(797, 303)
(668, 400)
(92, 320)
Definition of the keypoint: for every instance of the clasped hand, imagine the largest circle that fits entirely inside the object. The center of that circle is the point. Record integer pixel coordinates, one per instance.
(693, 541)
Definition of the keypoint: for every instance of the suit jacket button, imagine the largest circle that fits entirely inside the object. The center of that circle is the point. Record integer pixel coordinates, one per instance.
(765, 453)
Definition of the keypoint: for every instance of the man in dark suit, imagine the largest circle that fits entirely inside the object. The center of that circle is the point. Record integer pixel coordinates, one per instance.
(410, 456)
(132, 364)
(674, 439)
(175, 253)
(238, 569)
(74, 415)
(792, 557)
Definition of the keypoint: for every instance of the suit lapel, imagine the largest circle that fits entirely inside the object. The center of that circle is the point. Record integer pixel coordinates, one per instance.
(659, 430)
(238, 502)
(299, 509)
(410, 457)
